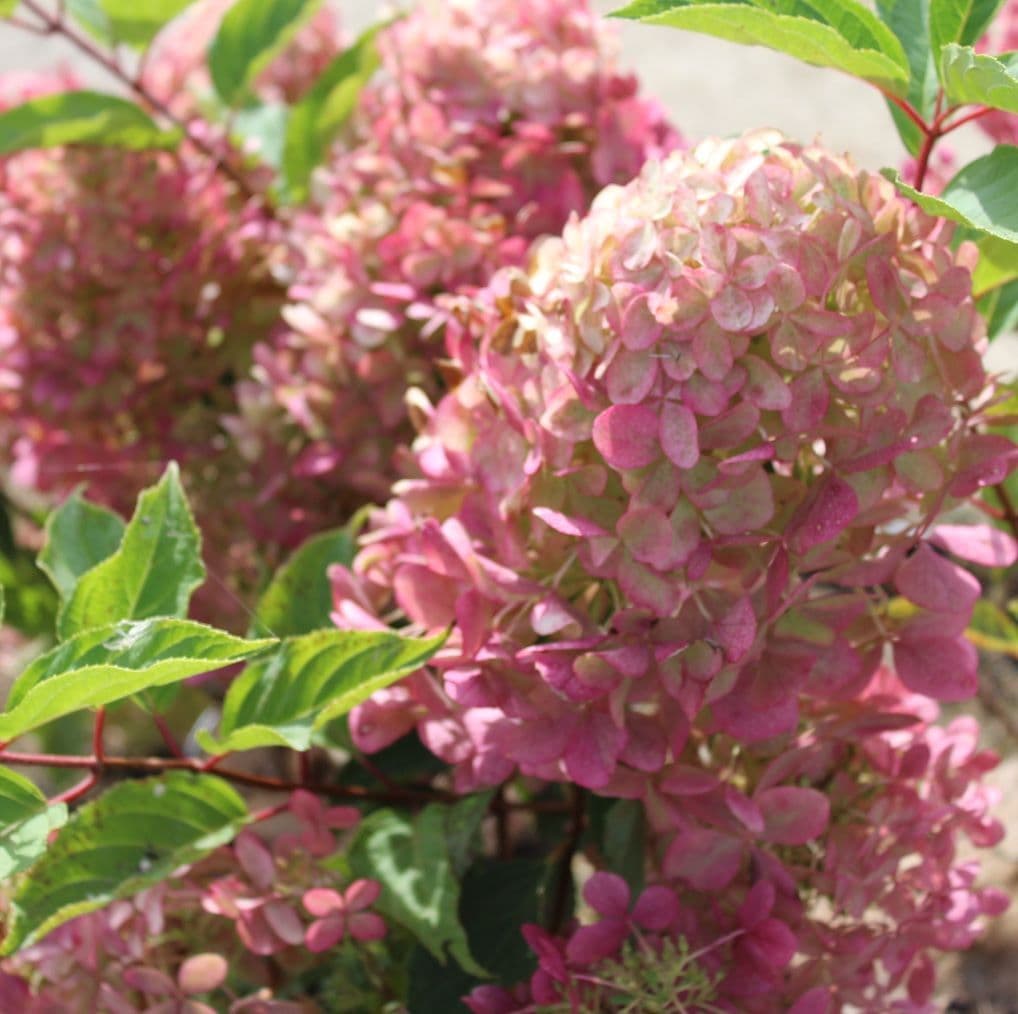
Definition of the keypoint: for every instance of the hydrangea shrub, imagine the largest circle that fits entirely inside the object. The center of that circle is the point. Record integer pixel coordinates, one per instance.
(675, 499)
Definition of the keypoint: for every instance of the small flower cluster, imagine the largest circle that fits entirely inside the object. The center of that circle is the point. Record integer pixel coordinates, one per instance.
(704, 435)
(260, 897)
(574, 972)
(704, 440)
(858, 883)
(133, 287)
(491, 123)
(146, 954)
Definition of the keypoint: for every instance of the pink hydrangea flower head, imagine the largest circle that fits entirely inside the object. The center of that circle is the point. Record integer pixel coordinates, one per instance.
(751, 375)
(134, 287)
(490, 123)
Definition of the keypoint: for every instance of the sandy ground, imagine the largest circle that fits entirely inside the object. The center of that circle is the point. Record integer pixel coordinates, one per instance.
(713, 87)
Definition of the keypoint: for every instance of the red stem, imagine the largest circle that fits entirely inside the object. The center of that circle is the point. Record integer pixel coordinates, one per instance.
(967, 118)
(156, 765)
(75, 792)
(98, 750)
(167, 734)
(930, 138)
(907, 108)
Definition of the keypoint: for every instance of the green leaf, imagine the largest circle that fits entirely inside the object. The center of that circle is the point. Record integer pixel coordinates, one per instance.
(138, 22)
(981, 195)
(26, 819)
(998, 265)
(993, 630)
(263, 129)
(90, 15)
(309, 681)
(80, 118)
(959, 21)
(409, 856)
(841, 34)
(103, 665)
(435, 988)
(135, 835)
(250, 35)
(79, 534)
(498, 898)
(30, 601)
(8, 7)
(999, 308)
(978, 79)
(910, 22)
(153, 572)
(132, 22)
(298, 599)
(624, 842)
(316, 120)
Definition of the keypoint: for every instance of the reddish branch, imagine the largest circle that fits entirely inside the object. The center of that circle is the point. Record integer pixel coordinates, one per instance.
(56, 24)
(157, 765)
(564, 860)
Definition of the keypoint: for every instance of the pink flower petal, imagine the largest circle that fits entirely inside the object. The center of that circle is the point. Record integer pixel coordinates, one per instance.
(771, 945)
(733, 309)
(150, 981)
(627, 436)
(284, 921)
(255, 859)
(981, 544)
(829, 510)
(592, 943)
(736, 630)
(640, 329)
(323, 934)
(744, 809)
(707, 860)
(568, 525)
(648, 534)
(929, 580)
(361, 894)
(593, 751)
(366, 926)
(765, 388)
(814, 1001)
(793, 815)
(757, 904)
(608, 894)
(323, 901)
(943, 668)
(656, 909)
(678, 435)
(202, 973)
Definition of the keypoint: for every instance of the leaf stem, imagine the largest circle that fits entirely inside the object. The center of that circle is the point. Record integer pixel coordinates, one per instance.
(75, 792)
(975, 114)
(907, 108)
(931, 134)
(167, 735)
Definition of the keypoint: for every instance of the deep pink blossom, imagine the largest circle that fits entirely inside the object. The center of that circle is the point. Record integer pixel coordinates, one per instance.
(719, 396)
(518, 115)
